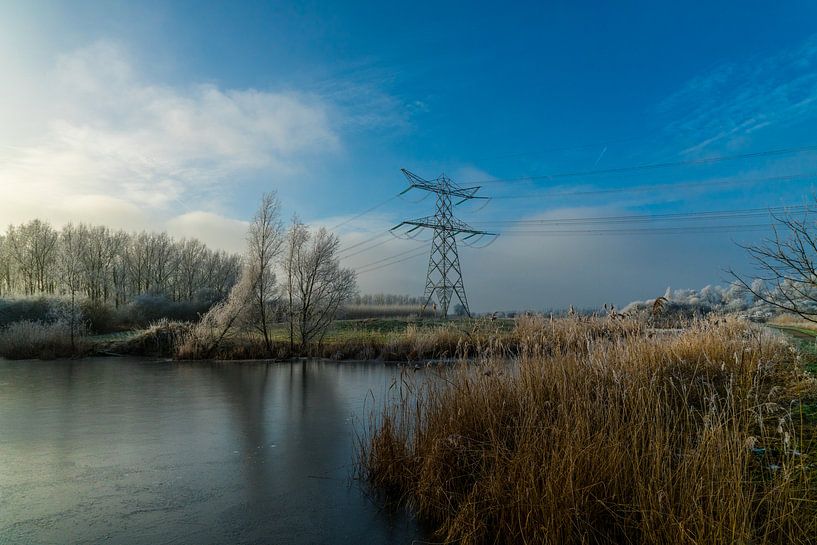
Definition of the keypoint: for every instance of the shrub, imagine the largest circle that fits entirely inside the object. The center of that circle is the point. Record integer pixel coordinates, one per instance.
(159, 339)
(26, 309)
(28, 339)
(99, 317)
(146, 309)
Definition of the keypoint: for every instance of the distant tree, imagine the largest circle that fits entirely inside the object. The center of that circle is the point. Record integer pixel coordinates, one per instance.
(785, 267)
(316, 284)
(33, 247)
(264, 240)
(191, 268)
(6, 281)
(97, 248)
(459, 310)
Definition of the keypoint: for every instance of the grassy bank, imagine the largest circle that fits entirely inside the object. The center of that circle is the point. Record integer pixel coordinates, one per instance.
(389, 339)
(401, 340)
(385, 339)
(623, 437)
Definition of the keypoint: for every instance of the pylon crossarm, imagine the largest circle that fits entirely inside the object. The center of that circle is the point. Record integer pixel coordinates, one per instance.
(465, 199)
(454, 229)
(444, 277)
(412, 178)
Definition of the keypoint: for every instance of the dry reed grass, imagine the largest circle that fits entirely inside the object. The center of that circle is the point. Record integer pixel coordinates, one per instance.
(606, 434)
(34, 339)
(160, 339)
(410, 342)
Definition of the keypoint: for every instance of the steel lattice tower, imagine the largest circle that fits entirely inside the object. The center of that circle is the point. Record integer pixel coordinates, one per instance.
(444, 277)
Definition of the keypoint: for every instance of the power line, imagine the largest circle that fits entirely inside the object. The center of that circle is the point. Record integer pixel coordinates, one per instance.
(766, 153)
(660, 187)
(653, 166)
(705, 229)
(365, 241)
(676, 216)
(367, 265)
(373, 246)
(412, 254)
(650, 187)
(364, 212)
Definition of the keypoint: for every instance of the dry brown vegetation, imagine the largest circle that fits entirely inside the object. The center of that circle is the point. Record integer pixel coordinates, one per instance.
(401, 341)
(793, 321)
(604, 433)
(34, 339)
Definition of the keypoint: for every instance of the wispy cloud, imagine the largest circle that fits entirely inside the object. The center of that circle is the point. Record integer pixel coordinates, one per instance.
(115, 147)
(731, 102)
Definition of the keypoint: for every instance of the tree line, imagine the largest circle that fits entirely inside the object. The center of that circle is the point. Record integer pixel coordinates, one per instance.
(288, 274)
(111, 266)
(386, 299)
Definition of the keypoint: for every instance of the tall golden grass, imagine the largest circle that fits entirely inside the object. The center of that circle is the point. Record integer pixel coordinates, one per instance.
(604, 433)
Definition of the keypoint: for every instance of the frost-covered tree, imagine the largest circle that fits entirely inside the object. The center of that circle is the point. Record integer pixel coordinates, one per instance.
(71, 272)
(785, 274)
(316, 285)
(264, 242)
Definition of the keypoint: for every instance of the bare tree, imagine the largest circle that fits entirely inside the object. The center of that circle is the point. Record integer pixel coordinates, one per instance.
(785, 263)
(296, 239)
(190, 273)
(316, 284)
(116, 266)
(33, 246)
(98, 249)
(70, 267)
(6, 270)
(264, 240)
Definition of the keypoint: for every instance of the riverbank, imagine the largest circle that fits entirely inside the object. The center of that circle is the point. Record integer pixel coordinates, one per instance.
(390, 340)
(707, 436)
(395, 340)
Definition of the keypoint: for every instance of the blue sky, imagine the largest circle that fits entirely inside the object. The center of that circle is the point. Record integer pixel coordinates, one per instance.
(177, 115)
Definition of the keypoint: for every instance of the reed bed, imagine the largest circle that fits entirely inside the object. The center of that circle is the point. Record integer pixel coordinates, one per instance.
(369, 340)
(602, 432)
(43, 340)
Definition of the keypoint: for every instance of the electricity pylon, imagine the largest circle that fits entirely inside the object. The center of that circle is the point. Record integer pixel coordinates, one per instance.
(444, 277)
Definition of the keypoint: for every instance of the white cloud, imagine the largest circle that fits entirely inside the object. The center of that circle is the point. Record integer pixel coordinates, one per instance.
(212, 229)
(103, 144)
